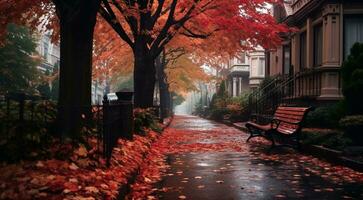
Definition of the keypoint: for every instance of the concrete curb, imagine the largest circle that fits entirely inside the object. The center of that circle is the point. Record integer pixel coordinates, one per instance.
(332, 156)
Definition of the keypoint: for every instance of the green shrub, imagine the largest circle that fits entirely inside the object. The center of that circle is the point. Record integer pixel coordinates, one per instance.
(145, 119)
(331, 139)
(219, 113)
(352, 74)
(337, 141)
(353, 128)
(26, 140)
(326, 116)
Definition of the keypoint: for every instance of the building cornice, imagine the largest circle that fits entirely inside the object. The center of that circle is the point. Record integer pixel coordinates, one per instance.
(301, 9)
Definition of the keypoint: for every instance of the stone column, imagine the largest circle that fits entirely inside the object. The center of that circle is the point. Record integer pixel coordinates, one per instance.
(234, 87)
(330, 87)
(240, 86)
(230, 89)
(295, 52)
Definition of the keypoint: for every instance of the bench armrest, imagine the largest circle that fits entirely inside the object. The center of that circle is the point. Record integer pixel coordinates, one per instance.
(275, 123)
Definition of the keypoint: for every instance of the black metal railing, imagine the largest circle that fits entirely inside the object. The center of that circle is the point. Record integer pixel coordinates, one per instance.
(298, 89)
(255, 97)
(20, 113)
(20, 110)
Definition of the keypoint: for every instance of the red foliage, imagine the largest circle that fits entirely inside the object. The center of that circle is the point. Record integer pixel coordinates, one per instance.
(82, 176)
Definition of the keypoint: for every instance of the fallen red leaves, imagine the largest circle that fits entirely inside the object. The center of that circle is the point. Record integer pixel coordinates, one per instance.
(83, 176)
(179, 141)
(175, 141)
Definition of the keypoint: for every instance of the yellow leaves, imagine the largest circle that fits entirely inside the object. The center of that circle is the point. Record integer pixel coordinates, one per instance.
(147, 180)
(91, 189)
(73, 166)
(51, 177)
(39, 164)
(183, 74)
(81, 151)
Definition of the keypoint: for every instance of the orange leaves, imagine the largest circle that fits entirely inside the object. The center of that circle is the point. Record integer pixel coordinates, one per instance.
(39, 14)
(81, 177)
(183, 74)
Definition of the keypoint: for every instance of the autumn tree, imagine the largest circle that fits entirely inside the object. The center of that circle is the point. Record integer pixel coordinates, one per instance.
(74, 20)
(148, 26)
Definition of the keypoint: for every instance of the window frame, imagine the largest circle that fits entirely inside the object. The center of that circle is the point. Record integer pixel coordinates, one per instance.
(284, 47)
(303, 59)
(345, 16)
(316, 62)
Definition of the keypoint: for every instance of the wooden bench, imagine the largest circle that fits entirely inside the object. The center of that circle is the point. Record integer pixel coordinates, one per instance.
(285, 126)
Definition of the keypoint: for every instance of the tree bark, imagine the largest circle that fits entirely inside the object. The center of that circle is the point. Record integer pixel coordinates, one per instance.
(76, 40)
(163, 86)
(144, 77)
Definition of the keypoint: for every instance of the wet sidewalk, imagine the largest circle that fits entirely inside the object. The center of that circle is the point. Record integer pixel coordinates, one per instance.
(248, 170)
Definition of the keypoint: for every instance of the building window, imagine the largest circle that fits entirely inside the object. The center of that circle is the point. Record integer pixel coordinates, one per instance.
(318, 45)
(353, 32)
(287, 59)
(46, 49)
(242, 59)
(261, 66)
(254, 66)
(303, 49)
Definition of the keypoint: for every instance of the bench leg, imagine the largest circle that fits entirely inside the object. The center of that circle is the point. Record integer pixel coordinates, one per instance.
(253, 133)
(269, 136)
(251, 136)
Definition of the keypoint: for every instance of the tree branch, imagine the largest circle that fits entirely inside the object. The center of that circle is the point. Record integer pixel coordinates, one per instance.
(190, 33)
(130, 20)
(108, 14)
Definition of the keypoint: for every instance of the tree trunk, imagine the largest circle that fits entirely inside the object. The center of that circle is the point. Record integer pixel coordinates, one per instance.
(76, 40)
(163, 86)
(144, 78)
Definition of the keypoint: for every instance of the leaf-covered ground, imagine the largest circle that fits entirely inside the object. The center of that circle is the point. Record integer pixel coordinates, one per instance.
(83, 175)
(199, 159)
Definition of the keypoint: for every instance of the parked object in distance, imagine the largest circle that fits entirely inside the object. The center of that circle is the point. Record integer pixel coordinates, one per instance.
(112, 96)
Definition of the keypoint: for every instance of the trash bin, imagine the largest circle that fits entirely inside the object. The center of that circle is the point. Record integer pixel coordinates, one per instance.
(118, 120)
(126, 119)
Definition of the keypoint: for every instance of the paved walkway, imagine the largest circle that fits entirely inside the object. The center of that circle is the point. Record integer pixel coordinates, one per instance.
(248, 172)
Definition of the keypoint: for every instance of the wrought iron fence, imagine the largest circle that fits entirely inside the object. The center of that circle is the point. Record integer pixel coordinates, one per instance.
(108, 122)
(299, 89)
(18, 110)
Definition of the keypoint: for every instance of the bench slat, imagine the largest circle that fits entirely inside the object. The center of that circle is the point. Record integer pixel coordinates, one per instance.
(302, 109)
(286, 131)
(298, 118)
(287, 120)
(296, 113)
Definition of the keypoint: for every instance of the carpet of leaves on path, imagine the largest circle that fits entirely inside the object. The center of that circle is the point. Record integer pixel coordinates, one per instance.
(83, 176)
(225, 139)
